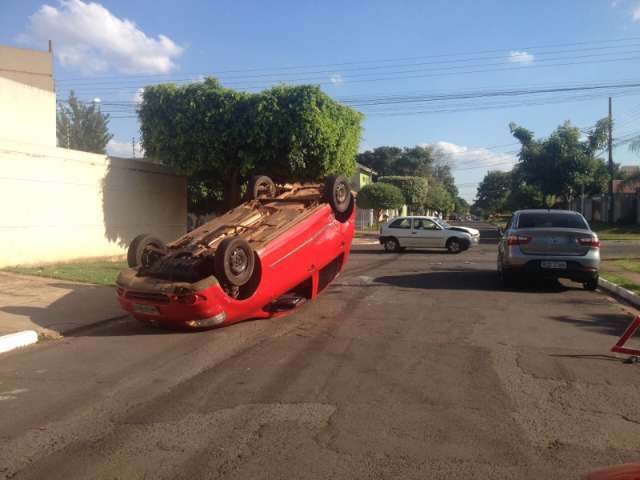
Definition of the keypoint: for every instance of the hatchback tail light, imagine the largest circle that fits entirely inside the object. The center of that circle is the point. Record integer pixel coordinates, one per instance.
(518, 239)
(591, 242)
(190, 299)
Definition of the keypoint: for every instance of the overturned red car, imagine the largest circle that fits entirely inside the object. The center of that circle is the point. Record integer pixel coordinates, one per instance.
(261, 259)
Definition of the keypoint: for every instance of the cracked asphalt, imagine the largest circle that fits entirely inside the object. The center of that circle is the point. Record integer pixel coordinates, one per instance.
(414, 365)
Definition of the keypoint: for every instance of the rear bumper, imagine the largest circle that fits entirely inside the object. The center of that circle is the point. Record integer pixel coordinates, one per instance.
(574, 271)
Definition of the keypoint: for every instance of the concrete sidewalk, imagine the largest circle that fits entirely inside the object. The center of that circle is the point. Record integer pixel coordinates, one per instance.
(52, 307)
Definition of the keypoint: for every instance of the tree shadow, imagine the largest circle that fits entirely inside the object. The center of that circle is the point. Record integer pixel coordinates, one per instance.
(142, 197)
(606, 324)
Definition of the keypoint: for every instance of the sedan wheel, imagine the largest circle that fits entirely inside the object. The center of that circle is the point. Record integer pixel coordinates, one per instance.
(454, 246)
(391, 245)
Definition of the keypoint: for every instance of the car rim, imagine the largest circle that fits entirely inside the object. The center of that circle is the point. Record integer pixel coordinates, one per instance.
(391, 245)
(264, 189)
(238, 261)
(454, 247)
(341, 193)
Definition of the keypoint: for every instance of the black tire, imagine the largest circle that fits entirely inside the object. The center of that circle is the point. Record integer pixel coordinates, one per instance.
(261, 186)
(507, 278)
(234, 261)
(138, 253)
(454, 245)
(337, 193)
(391, 245)
(591, 284)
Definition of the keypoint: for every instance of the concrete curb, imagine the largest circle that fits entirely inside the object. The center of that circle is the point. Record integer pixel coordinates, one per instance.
(17, 340)
(618, 291)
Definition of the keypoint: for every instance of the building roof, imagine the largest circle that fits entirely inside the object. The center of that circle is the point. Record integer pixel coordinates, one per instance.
(364, 168)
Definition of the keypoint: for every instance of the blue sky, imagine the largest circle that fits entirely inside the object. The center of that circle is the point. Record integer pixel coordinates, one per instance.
(109, 50)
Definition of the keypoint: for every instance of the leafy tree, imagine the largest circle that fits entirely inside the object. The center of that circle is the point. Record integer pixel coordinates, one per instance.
(381, 159)
(493, 191)
(562, 164)
(221, 136)
(440, 199)
(414, 190)
(81, 126)
(380, 196)
(461, 206)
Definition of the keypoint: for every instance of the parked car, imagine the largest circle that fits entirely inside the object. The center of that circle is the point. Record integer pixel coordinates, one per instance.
(425, 232)
(259, 260)
(549, 243)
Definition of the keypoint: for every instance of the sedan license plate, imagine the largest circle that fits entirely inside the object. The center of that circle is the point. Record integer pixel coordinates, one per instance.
(554, 265)
(146, 309)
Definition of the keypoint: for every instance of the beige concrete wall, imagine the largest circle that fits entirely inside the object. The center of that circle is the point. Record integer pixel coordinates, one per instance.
(27, 96)
(27, 114)
(58, 204)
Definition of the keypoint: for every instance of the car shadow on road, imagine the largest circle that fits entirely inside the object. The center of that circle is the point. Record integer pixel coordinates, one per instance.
(607, 324)
(464, 279)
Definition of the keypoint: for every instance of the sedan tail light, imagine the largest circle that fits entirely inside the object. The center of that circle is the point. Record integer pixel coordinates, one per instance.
(591, 242)
(191, 298)
(518, 239)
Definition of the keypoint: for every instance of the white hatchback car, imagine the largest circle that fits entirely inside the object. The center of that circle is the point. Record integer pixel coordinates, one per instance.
(426, 232)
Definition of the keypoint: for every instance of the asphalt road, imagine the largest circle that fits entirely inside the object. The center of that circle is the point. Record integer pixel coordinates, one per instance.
(414, 365)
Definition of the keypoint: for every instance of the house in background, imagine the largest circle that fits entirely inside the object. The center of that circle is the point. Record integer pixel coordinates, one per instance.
(363, 176)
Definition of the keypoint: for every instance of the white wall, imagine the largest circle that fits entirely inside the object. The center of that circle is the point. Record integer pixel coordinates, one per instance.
(58, 204)
(27, 114)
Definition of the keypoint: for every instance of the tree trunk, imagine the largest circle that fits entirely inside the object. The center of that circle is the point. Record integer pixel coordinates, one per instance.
(232, 190)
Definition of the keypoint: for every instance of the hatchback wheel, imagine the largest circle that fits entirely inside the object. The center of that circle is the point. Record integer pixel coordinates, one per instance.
(454, 246)
(391, 245)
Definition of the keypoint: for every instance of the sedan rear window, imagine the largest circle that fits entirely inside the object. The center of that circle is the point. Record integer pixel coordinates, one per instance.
(551, 220)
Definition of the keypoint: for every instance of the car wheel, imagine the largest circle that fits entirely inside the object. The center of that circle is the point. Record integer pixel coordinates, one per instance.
(234, 261)
(337, 193)
(145, 250)
(591, 284)
(454, 245)
(261, 186)
(391, 245)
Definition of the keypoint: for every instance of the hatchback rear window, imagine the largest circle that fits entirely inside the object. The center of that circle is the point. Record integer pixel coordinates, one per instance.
(551, 220)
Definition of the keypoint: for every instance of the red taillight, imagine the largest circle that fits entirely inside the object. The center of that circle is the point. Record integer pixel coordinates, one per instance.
(190, 299)
(591, 242)
(518, 239)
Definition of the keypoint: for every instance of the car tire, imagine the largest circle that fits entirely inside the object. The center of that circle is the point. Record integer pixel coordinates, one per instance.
(337, 193)
(454, 245)
(139, 254)
(591, 284)
(507, 278)
(391, 245)
(261, 186)
(234, 261)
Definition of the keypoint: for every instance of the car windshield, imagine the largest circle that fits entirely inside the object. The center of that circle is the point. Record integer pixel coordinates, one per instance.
(442, 223)
(551, 220)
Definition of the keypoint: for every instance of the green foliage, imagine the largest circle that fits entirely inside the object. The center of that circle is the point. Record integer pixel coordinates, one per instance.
(563, 164)
(414, 190)
(493, 192)
(440, 199)
(82, 127)
(380, 196)
(221, 136)
(461, 206)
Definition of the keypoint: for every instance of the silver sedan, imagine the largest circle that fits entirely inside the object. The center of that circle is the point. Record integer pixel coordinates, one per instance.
(549, 243)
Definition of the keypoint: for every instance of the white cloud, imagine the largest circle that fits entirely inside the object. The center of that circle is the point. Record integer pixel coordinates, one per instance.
(137, 97)
(88, 37)
(336, 79)
(636, 14)
(523, 58)
(117, 148)
(461, 157)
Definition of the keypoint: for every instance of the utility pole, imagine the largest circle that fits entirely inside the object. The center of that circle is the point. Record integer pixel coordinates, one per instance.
(611, 202)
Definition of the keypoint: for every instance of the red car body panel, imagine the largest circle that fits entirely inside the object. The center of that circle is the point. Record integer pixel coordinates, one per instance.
(298, 254)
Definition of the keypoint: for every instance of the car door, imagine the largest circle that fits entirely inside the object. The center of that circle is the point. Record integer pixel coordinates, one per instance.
(426, 233)
(401, 229)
